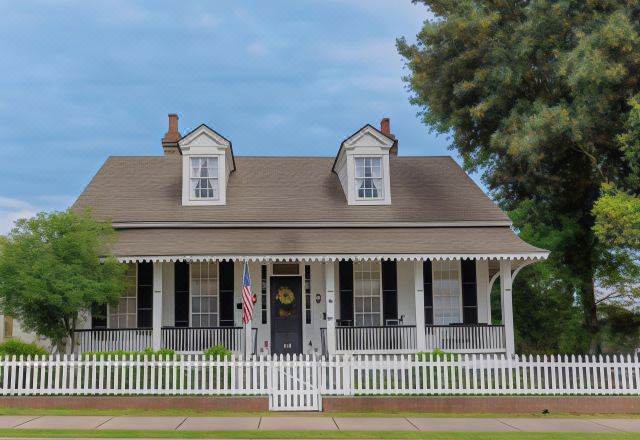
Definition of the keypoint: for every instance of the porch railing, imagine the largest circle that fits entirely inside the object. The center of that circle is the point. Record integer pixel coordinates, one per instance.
(198, 339)
(471, 338)
(128, 339)
(376, 339)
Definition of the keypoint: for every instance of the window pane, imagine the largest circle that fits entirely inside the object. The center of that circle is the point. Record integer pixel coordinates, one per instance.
(124, 314)
(204, 294)
(366, 293)
(204, 178)
(446, 292)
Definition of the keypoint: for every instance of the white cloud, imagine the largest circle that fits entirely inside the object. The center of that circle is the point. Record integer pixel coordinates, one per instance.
(13, 209)
(206, 21)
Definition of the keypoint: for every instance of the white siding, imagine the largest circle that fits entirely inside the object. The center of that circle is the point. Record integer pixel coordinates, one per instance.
(168, 295)
(406, 294)
(484, 302)
(311, 332)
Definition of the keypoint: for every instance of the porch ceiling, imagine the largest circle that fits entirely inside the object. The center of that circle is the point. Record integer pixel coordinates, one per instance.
(325, 243)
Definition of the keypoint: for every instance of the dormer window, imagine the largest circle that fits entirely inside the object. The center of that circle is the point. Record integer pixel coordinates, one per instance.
(369, 178)
(207, 162)
(204, 178)
(362, 165)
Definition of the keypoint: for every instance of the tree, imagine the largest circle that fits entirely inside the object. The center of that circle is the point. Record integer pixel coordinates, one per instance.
(617, 226)
(535, 94)
(51, 270)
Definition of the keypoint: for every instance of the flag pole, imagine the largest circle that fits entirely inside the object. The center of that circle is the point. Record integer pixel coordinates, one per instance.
(248, 343)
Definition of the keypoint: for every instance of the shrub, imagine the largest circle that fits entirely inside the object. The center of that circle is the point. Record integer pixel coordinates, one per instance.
(148, 352)
(19, 348)
(218, 350)
(437, 354)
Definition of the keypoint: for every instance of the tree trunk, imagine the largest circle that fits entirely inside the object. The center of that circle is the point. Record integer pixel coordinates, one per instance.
(584, 271)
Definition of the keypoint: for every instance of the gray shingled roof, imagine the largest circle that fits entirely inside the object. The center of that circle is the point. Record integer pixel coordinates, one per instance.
(301, 191)
(319, 241)
(286, 189)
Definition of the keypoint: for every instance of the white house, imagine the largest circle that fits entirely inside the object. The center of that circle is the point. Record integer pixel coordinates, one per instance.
(365, 252)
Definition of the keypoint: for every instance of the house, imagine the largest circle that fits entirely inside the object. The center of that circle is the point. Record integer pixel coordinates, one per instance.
(367, 252)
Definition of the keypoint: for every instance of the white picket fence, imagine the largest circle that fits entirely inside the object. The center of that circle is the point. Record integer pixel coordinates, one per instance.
(298, 382)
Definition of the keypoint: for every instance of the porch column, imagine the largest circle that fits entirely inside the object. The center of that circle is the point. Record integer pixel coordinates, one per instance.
(507, 304)
(329, 280)
(418, 282)
(156, 334)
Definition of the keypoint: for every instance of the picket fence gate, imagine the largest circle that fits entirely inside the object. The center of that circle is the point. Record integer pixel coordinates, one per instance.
(299, 382)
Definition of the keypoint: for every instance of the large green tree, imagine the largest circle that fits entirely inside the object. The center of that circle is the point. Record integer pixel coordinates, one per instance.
(535, 94)
(51, 270)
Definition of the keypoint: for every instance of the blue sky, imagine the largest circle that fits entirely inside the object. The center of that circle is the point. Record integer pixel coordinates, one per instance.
(85, 80)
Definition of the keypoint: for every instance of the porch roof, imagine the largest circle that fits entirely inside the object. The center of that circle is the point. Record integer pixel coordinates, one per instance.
(171, 244)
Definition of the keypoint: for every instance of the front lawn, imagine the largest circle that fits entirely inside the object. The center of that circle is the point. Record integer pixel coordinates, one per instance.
(177, 412)
(74, 433)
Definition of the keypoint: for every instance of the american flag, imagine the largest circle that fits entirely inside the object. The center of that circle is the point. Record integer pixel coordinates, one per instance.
(247, 296)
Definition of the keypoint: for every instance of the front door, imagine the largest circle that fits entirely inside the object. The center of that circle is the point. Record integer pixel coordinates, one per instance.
(286, 315)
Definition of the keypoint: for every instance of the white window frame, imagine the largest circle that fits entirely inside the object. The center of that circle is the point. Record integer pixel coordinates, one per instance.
(358, 179)
(191, 296)
(194, 179)
(459, 281)
(135, 313)
(381, 311)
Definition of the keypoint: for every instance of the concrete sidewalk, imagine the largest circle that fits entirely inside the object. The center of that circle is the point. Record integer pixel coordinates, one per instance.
(315, 423)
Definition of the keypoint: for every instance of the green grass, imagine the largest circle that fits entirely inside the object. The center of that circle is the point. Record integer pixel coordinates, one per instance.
(78, 433)
(177, 412)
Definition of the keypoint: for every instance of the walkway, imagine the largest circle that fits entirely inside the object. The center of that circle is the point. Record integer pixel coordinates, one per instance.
(313, 423)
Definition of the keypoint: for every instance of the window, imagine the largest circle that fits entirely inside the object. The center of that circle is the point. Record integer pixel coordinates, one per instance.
(369, 177)
(366, 293)
(204, 294)
(204, 178)
(124, 315)
(446, 292)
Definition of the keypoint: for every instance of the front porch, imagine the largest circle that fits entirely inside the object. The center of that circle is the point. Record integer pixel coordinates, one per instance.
(467, 338)
(342, 306)
(179, 339)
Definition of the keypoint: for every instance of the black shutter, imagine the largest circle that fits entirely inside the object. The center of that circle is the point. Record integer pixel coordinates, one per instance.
(427, 275)
(345, 282)
(145, 295)
(389, 290)
(263, 292)
(181, 298)
(226, 274)
(469, 292)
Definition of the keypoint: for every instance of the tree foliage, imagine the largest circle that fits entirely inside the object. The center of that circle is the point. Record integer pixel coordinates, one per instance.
(536, 95)
(51, 271)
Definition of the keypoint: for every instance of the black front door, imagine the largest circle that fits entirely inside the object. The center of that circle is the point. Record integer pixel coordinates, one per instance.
(286, 315)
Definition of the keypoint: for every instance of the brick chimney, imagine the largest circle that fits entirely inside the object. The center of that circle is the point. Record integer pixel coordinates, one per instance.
(385, 127)
(171, 137)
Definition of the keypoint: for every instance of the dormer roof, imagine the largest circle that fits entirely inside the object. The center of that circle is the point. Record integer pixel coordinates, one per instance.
(367, 135)
(204, 136)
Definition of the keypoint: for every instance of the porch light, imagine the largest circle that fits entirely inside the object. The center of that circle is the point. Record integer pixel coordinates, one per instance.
(318, 298)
